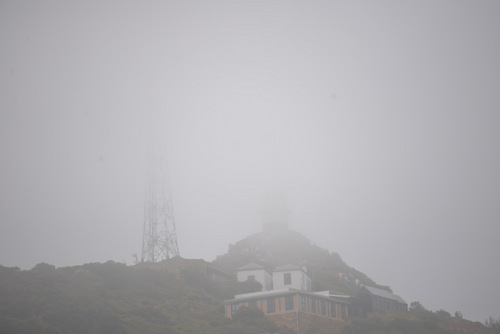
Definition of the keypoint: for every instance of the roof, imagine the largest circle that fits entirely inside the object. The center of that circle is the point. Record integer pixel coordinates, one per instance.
(265, 293)
(288, 291)
(384, 294)
(250, 266)
(287, 267)
(329, 293)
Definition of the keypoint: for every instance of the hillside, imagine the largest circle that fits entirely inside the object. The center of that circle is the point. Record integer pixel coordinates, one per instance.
(186, 296)
(114, 298)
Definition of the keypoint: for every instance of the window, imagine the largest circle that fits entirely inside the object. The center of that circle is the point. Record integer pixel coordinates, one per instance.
(313, 305)
(342, 312)
(271, 306)
(251, 277)
(303, 303)
(252, 303)
(288, 303)
(234, 308)
(323, 307)
(287, 277)
(333, 313)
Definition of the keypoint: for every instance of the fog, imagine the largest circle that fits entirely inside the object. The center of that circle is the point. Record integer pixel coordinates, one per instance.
(379, 120)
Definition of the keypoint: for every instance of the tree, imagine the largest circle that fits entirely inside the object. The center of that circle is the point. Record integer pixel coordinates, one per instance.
(416, 306)
(492, 322)
(443, 314)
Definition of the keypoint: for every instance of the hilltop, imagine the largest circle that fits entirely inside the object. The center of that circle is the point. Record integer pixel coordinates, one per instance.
(277, 247)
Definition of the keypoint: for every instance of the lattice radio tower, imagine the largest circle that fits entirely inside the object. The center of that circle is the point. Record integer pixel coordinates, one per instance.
(159, 239)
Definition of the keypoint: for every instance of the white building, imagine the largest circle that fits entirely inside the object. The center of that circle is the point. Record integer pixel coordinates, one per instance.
(287, 299)
(290, 276)
(256, 272)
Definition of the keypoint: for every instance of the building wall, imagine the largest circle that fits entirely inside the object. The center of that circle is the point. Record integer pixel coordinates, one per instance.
(260, 275)
(306, 321)
(304, 303)
(299, 280)
(367, 302)
(381, 305)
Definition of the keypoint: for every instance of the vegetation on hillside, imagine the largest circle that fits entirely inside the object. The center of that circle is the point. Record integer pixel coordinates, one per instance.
(181, 296)
(417, 321)
(113, 298)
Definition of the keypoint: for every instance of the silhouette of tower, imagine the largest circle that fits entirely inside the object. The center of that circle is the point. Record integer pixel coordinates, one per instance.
(274, 211)
(159, 239)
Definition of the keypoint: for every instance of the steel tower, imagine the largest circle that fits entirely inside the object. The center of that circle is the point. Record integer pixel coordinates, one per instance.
(159, 239)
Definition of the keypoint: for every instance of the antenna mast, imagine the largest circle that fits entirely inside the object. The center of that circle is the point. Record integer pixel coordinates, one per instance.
(159, 239)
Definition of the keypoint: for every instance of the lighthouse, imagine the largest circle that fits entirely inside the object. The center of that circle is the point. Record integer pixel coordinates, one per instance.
(274, 211)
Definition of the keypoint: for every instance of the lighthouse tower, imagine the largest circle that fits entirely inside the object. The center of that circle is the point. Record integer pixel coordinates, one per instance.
(274, 211)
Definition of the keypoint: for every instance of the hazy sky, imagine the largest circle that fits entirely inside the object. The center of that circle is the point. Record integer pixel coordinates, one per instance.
(380, 121)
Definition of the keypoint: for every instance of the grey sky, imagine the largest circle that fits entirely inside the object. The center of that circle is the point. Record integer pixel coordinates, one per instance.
(380, 121)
